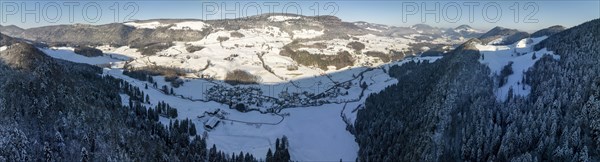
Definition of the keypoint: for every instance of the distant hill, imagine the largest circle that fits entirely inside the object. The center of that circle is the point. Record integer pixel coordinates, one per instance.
(502, 36)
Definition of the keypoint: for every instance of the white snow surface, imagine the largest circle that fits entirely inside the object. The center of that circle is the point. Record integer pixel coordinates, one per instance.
(66, 53)
(373, 29)
(3, 48)
(497, 41)
(469, 30)
(307, 34)
(521, 54)
(186, 25)
(123, 53)
(146, 25)
(190, 25)
(283, 18)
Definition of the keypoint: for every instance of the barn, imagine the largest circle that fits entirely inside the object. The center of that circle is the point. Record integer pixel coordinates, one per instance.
(211, 123)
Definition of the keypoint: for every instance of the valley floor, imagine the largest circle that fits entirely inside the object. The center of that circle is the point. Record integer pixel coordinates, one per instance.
(315, 133)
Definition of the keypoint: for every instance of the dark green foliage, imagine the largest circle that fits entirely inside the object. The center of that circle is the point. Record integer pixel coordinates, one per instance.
(236, 34)
(382, 56)
(222, 39)
(397, 121)
(240, 107)
(166, 110)
(172, 112)
(341, 60)
(88, 51)
(548, 31)
(192, 49)
(241, 77)
(510, 36)
(364, 85)
(427, 49)
(447, 110)
(152, 48)
(62, 111)
(357, 46)
(192, 130)
(165, 89)
(269, 156)
(281, 151)
(504, 73)
(145, 74)
(70, 107)
(150, 79)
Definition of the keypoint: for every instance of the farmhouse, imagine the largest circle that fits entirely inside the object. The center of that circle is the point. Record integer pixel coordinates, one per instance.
(211, 123)
(212, 112)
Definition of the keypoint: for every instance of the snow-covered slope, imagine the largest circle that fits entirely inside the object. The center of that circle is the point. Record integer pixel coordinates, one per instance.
(307, 34)
(190, 25)
(280, 18)
(66, 53)
(466, 29)
(245, 53)
(146, 25)
(522, 57)
(185, 25)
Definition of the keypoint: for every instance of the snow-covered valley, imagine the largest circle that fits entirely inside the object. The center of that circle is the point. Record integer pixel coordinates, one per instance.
(171, 84)
(316, 126)
(308, 127)
(305, 84)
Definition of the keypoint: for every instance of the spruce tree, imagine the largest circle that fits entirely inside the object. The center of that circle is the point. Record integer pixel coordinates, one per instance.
(269, 156)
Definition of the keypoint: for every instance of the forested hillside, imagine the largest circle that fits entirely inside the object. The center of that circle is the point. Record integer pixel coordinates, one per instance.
(447, 109)
(53, 110)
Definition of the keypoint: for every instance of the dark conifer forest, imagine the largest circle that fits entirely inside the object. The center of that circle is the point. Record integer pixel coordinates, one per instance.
(447, 109)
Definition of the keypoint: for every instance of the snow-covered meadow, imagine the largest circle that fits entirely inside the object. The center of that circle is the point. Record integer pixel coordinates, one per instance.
(521, 54)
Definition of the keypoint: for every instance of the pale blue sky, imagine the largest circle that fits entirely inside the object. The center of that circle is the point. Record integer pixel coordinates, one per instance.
(532, 15)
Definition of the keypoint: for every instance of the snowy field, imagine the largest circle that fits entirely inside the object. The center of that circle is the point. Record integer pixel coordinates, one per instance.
(521, 54)
(308, 128)
(66, 53)
(147, 25)
(245, 52)
(283, 18)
